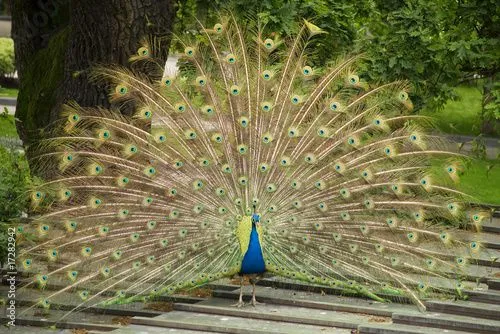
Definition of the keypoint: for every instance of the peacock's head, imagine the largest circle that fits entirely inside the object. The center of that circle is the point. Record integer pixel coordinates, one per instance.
(255, 218)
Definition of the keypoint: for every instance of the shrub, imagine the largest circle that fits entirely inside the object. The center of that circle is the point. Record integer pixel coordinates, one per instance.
(14, 184)
(6, 56)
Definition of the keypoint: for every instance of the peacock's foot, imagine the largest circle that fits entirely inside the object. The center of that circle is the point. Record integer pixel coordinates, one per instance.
(239, 304)
(255, 303)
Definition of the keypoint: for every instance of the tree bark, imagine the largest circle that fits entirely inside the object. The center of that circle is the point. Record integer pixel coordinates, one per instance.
(61, 40)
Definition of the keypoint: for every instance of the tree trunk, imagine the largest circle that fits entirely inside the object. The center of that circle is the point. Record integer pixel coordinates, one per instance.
(58, 42)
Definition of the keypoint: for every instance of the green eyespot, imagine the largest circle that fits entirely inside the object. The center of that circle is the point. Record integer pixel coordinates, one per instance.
(235, 90)
(231, 58)
(271, 188)
(218, 28)
(121, 90)
(285, 161)
(243, 180)
(296, 99)
(244, 121)
(268, 43)
(307, 71)
(201, 81)
(267, 75)
(189, 51)
(335, 106)
(403, 96)
(217, 138)
(353, 79)
(143, 51)
(266, 106)
(167, 82)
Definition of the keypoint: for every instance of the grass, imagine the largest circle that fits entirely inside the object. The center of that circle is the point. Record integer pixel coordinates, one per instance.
(8, 92)
(7, 126)
(479, 178)
(461, 116)
(482, 180)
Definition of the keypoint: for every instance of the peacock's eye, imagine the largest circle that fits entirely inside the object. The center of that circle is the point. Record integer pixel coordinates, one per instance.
(218, 28)
(122, 90)
(189, 51)
(231, 59)
(353, 79)
(307, 70)
(269, 43)
(181, 107)
(334, 106)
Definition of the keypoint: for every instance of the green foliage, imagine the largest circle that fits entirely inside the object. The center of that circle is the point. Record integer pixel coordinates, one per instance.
(14, 184)
(436, 45)
(6, 56)
(491, 108)
(283, 17)
(433, 44)
(7, 125)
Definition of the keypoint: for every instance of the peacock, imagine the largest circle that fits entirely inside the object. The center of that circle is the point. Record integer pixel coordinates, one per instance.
(252, 160)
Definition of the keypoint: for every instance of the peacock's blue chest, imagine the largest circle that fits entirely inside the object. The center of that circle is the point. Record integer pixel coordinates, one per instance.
(253, 261)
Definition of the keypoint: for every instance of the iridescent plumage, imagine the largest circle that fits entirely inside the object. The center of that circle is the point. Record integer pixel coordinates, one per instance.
(350, 189)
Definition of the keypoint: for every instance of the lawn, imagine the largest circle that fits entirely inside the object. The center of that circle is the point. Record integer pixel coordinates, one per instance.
(482, 183)
(463, 115)
(8, 92)
(478, 178)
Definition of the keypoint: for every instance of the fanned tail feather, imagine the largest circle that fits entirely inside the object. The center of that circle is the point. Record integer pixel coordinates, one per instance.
(342, 174)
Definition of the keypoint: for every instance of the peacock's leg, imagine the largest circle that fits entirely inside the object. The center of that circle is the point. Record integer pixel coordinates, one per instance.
(254, 300)
(240, 302)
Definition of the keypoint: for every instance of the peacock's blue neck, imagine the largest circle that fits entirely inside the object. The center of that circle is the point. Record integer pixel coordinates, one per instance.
(253, 261)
